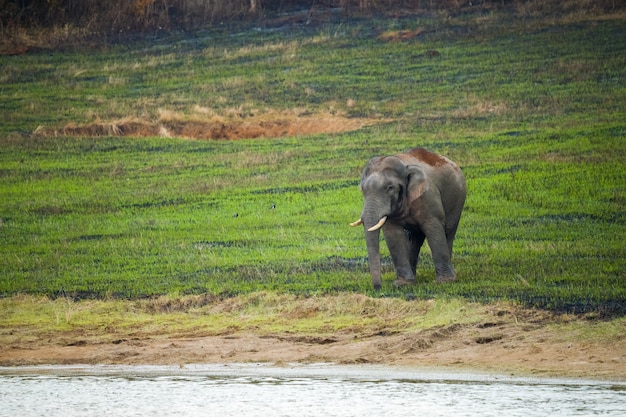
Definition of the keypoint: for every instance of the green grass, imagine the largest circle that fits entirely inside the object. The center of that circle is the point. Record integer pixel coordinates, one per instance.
(533, 112)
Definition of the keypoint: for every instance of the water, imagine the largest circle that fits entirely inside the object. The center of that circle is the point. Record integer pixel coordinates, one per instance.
(298, 390)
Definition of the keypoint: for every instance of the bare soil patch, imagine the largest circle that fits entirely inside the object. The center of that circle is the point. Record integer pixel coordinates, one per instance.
(400, 35)
(272, 125)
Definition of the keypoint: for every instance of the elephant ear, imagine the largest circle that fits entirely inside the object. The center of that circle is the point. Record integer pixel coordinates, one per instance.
(417, 183)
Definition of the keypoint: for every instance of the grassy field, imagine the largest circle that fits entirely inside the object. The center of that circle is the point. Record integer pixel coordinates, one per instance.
(532, 109)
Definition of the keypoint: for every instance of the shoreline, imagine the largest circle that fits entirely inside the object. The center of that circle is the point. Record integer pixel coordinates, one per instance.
(539, 358)
(344, 329)
(300, 370)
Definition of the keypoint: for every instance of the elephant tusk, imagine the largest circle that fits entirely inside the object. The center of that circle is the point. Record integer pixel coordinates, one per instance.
(357, 223)
(378, 225)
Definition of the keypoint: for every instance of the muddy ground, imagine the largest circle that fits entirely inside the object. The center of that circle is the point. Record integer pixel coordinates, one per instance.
(521, 344)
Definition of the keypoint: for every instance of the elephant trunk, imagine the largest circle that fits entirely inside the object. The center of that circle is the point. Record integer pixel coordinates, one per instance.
(373, 255)
(373, 218)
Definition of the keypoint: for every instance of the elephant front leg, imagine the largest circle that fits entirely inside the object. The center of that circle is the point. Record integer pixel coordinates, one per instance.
(400, 249)
(435, 234)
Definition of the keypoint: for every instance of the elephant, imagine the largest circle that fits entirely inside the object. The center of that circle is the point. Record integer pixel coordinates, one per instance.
(412, 196)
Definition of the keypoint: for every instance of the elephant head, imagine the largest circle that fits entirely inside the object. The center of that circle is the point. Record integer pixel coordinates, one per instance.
(389, 186)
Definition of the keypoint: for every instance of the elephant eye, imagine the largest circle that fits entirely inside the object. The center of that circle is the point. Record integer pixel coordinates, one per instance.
(391, 189)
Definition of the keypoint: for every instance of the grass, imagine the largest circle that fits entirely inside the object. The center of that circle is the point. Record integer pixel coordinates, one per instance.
(532, 110)
(264, 313)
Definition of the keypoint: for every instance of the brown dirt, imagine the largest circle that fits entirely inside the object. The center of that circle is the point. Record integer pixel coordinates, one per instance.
(400, 35)
(274, 126)
(526, 343)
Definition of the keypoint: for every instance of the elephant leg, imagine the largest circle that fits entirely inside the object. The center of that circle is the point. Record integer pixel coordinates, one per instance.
(451, 227)
(400, 248)
(416, 240)
(450, 239)
(441, 250)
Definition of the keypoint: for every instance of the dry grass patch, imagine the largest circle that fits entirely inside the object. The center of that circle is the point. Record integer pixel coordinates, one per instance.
(400, 35)
(206, 124)
(479, 108)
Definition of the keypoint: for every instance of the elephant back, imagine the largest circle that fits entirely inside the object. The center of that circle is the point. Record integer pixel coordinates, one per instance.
(429, 158)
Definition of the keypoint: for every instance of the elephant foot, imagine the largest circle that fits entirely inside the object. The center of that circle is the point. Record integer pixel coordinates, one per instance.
(403, 282)
(446, 278)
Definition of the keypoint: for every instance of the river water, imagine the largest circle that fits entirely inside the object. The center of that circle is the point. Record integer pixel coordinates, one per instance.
(295, 390)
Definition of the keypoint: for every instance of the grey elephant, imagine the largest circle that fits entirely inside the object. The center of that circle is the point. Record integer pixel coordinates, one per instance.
(412, 196)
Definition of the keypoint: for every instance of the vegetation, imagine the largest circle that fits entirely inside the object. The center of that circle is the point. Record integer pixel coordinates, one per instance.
(260, 312)
(43, 24)
(532, 109)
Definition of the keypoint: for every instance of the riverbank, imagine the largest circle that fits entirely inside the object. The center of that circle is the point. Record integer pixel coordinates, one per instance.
(342, 329)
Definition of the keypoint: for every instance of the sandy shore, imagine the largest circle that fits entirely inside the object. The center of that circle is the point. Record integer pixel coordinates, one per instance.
(527, 347)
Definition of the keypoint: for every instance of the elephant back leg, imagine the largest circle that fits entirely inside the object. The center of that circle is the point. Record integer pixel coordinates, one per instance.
(453, 217)
(416, 239)
(450, 234)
